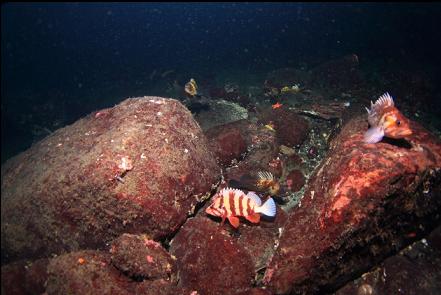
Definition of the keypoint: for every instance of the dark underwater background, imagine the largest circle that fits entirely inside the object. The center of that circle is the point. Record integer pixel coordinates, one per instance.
(59, 62)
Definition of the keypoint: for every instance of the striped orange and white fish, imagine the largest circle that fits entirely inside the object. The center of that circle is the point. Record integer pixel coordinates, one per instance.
(232, 203)
(386, 120)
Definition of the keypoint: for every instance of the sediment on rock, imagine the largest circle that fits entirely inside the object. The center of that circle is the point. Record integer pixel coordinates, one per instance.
(139, 167)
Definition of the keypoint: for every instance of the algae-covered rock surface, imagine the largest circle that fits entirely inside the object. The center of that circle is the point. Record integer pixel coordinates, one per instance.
(141, 258)
(139, 167)
(24, 277)
(209, 260)
(86, 272)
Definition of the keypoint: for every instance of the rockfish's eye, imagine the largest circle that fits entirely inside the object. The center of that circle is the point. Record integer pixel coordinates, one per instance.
(398, 122)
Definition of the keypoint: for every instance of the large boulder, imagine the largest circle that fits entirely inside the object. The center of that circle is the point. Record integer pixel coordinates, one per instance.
(139, 167)
(227, 141)
(359, 207)
(262, 151)
(215, 258)
(209, 260)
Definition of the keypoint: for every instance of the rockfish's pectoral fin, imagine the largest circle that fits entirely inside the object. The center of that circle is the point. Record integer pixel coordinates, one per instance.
(373, 135)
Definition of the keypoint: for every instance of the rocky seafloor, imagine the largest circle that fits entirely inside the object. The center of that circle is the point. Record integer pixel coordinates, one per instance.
(115, 203)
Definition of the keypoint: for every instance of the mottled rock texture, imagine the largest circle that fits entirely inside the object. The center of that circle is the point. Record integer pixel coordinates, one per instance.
(139, 167)
(360, 204)
(209, 260)
(217, 259)
(160, 287)
(24, 277)
(261, 155)
(295, 180)
(86, 272)
(141, 258)
(291, 129)
(94, 272)
(227, 141)
(219, 112)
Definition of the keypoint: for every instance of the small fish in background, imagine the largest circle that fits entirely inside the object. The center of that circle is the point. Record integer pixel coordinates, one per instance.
(232, 203)
(386, 120)
(293, 89)
(191, 88)
(263, 182)
(266, 181)
(270, 126)
(195, 101)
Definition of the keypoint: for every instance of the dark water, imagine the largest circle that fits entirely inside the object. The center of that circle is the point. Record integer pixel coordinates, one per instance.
(60, 62)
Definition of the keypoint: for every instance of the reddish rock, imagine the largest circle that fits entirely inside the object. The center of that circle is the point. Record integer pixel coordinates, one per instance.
(261, 156)
(92, 272)
(209, 260)
(293, 160)
(260, 145)
(227, 142)
(255, 244)
(255, 291)
(141, 166)
(86, 272)
(291, 129)
(259, 240)
(295, 180)
(259, 137)
(360, 204)
(415, 270)
(24, 277)
(139, 257)
(160, 287)
(259, 159)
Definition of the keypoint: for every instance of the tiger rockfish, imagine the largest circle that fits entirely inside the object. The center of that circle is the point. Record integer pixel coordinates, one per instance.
(232, 203)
